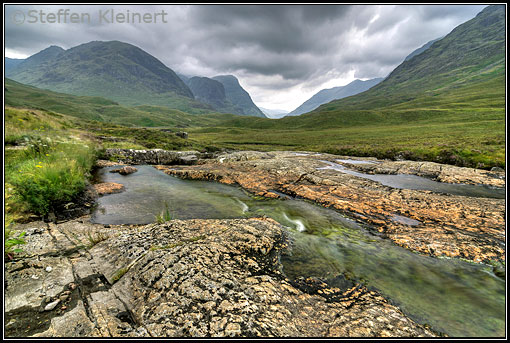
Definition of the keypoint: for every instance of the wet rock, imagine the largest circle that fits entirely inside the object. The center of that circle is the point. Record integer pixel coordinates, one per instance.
(124, 170)
(154, 156)
(186, 278)
(108, 188)
(455, 226)
(105, 163)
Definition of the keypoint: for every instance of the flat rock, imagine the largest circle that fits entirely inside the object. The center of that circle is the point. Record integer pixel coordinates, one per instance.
(184, 278)
(446, 225)
(124, 170)
(104, 188)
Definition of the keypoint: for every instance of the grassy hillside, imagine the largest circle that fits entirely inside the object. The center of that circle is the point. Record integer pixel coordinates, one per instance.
(119, 71)
(446, 104)
(101, 109)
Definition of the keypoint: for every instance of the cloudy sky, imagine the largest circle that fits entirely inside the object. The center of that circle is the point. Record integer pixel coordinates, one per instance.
(282, 54)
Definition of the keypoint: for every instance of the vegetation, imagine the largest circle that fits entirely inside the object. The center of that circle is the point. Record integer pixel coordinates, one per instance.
(103, 110)
(10, 238)
(164, 216)
(446, 105)
(96, 238)
(46, 162)
(131, 76)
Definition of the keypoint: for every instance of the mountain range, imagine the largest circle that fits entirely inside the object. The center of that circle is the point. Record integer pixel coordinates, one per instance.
(355, 87)
(224, 93)
(128, 75)
(461, 74)
(327, 95)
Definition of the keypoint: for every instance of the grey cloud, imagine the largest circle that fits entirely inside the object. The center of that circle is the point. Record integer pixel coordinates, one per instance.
(270, 48)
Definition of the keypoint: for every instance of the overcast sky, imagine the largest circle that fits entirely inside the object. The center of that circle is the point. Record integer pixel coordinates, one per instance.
(282, 54)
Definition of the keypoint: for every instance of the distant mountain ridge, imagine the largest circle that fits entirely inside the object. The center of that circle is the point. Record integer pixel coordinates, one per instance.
(238, 95)
(11, 63)
(232, 99)
(327, 95)
(119, 71)
(422, 48)
(211, 92)
(471, 53)
(274, 113)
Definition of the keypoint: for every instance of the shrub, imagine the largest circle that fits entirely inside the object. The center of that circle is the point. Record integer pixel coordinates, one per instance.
(53, 178)
(10, 240)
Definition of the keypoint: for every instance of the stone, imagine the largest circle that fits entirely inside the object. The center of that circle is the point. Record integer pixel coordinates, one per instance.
(182, 134)
(154, 156)
(52, 305)
(124, 170)
(183, 290)
(455, 226)
(108, 188)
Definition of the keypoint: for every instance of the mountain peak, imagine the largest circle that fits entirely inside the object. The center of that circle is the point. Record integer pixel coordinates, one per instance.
(129, 74)
(330, 94)
(238, 95)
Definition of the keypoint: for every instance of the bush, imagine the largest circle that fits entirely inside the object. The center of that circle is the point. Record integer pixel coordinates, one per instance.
(57, 177)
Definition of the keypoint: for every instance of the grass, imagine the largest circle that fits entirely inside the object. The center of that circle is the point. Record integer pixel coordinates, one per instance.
(46, 162)
(11, 239)
(103, 110)
(96, 238)
(118, 274)
(164, 216)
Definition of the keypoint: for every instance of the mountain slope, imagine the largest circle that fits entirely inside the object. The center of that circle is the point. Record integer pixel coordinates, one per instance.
(421, 49)
(473, 52)
(101, 109)
(11, 63)
(327, 95)
(36, 60)
(239, 96)
(212, 92)
(120, 71)
(446, 104)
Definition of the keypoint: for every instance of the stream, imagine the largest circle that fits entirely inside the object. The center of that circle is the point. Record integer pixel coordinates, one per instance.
(458, 298)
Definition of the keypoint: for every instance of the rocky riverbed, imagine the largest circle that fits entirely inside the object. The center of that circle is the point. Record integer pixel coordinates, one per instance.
(424, 221)
(215, 278)
(223, 278)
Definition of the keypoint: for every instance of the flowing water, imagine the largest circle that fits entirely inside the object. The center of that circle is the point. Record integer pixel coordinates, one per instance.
(407, 181)
(452, 296)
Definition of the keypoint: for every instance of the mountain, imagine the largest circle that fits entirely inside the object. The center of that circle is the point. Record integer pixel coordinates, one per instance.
(11, 63)
(32, 62)
(473, 53)
(104, 110)
(327, 95)
(274, 113)
(446, 104)
(238, 96)
(119, 71)
(421, 49)
(212, 92)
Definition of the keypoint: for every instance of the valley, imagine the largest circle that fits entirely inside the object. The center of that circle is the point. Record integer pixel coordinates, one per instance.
(374, 209)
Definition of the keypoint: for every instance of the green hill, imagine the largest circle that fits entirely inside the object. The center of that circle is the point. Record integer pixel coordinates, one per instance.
(211, 92)
(103, 110)
(239, 96)
(119, 71)
(446, 104)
